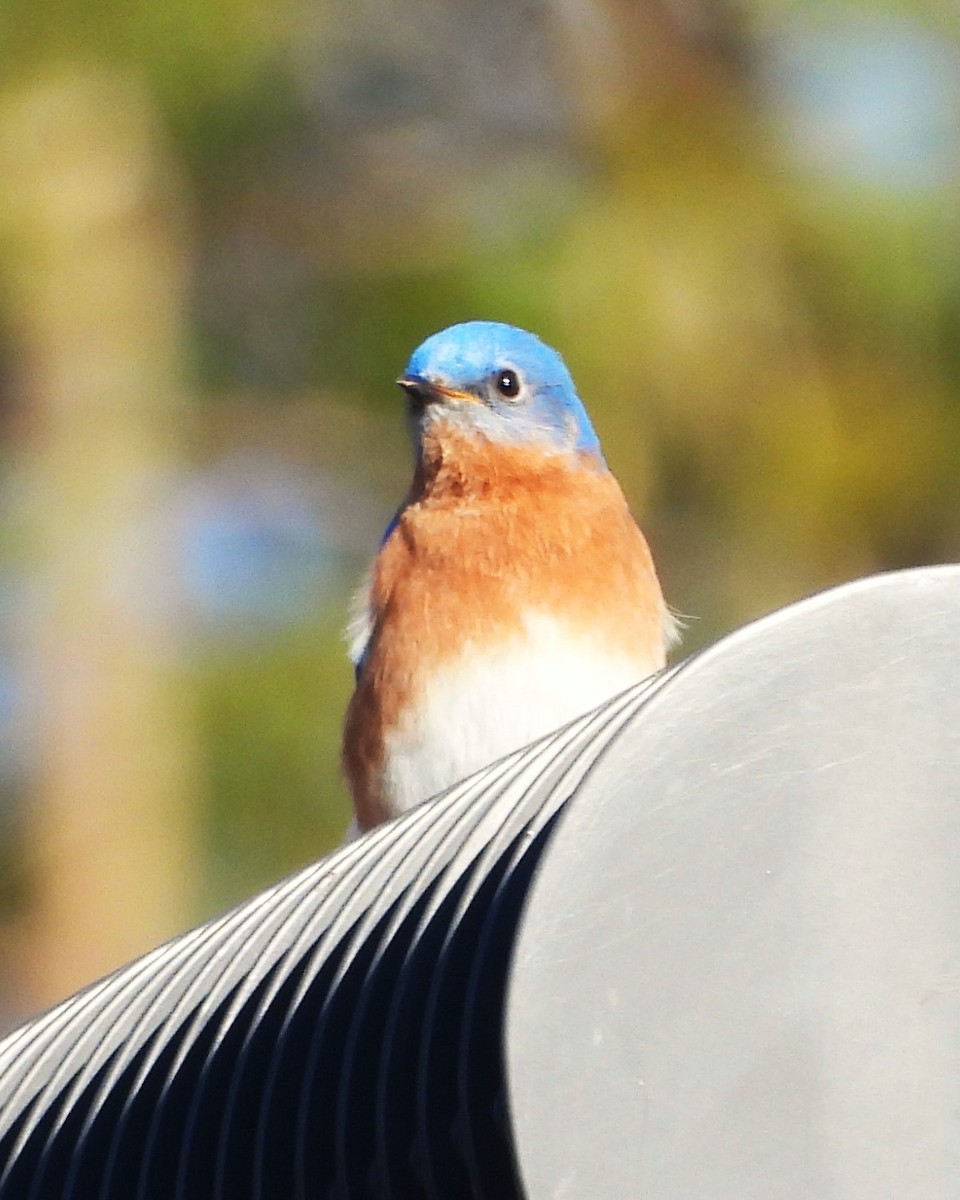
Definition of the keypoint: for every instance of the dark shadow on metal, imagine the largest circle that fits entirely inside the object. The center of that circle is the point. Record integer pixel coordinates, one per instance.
(704, 942)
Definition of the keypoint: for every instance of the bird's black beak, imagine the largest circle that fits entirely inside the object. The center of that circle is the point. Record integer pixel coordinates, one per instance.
(417, 391)
(422, 392)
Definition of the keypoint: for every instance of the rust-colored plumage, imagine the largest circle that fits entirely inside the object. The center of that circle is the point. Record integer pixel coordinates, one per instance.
(490, 534)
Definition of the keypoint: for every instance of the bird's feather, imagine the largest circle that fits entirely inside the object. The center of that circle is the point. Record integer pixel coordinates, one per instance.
(515, 592)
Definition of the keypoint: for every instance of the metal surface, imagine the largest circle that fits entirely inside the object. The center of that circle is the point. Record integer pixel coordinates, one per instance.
(739, 971)
(294, 1047)
(704, 943)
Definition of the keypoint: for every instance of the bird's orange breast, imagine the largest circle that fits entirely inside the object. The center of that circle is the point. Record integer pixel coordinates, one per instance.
(489, 535)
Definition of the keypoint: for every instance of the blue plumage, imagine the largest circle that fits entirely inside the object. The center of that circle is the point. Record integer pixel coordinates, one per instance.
(520, 388)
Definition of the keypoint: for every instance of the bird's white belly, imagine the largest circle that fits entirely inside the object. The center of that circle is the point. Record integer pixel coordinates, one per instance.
(492, 701)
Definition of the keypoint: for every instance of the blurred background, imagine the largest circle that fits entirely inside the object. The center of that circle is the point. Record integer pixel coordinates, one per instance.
(224, 225)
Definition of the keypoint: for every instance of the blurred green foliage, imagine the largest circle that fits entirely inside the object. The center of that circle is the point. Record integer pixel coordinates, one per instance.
(770, 353)
(271, 713)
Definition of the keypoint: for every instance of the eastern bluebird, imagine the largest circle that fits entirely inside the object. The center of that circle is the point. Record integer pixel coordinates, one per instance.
(512, 591)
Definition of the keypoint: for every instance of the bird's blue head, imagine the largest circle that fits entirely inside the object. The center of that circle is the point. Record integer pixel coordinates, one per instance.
(499, 382)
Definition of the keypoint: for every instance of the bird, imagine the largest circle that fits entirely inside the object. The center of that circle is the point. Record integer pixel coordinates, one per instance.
(512, 591)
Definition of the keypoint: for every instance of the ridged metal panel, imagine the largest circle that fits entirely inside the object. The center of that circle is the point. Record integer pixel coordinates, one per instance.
(307, 1043)
(735, 975)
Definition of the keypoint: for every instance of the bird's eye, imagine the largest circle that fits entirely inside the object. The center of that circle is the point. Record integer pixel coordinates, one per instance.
(508, 384)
